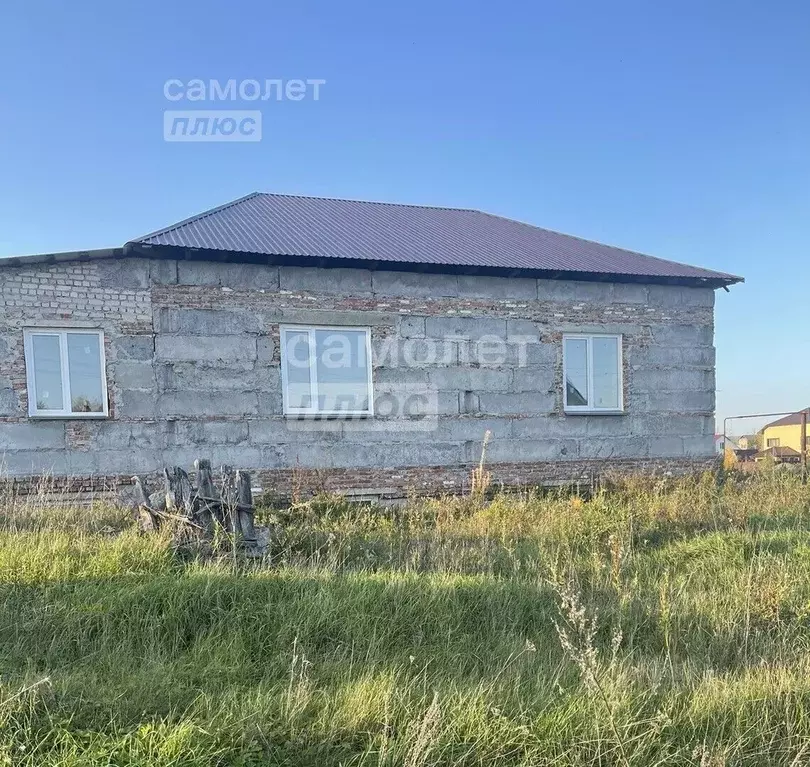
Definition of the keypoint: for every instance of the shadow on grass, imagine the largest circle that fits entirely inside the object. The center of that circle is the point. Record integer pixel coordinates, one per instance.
(263, 660)
(249, 622)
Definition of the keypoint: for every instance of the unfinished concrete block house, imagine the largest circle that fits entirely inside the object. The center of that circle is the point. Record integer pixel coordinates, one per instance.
(354, 346)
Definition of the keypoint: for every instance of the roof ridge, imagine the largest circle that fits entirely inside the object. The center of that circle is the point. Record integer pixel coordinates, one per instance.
(195, 217)
(365, 202)
(601, 244)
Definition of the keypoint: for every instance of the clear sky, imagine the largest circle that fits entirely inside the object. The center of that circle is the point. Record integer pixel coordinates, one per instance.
(677, 129)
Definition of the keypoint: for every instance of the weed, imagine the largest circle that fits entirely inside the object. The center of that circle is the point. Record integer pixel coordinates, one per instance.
(651, 622)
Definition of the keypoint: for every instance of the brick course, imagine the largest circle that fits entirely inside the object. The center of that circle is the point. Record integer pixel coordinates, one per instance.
(391, 483)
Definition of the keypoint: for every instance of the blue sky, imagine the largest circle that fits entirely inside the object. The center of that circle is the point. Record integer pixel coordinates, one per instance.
(677, 129)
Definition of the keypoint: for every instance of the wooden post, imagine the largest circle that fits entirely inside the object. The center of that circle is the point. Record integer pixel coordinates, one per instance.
(148, 520)
(207, 503)
(230, 501)
(141, 498)
(245, 506)
(179, 495)
(168, 490)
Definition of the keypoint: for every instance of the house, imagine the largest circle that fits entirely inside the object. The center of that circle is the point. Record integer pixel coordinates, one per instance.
(786, 432)
(728, 447)
(738, 446)
(748, 442)
(365, 347)
(745, 454)
(777, 454)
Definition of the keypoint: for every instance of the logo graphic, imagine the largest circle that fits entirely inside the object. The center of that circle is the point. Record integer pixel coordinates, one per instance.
(212, 125)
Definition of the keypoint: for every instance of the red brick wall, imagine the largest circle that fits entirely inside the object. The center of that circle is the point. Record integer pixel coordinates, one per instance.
(386, 483)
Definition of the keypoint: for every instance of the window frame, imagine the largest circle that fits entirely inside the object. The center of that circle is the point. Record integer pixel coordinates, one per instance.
(775, 440)
(314, 412)
(64, 369)
(591, 409)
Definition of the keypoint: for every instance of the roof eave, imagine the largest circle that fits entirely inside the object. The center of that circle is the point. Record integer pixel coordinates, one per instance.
(148, 250)
(66, 255)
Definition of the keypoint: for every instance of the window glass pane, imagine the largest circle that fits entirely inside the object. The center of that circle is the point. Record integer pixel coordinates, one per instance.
(84, 373)
(606, 372)
(342, 370)
(296, 361)
(47, 372)
(576, 371)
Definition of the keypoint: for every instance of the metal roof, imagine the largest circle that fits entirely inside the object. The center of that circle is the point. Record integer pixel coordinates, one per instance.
(779, 451)
(402, 236)
(279, 228)
(794, 419)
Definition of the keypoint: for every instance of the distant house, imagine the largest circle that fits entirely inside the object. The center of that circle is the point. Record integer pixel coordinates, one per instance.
(721, 444)
(724, 442)
(744, 454)
(748, 442)
(363, 346)
(786, 432)
(779, 455)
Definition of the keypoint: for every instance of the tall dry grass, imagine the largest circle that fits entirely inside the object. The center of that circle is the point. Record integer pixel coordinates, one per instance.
(655, 622)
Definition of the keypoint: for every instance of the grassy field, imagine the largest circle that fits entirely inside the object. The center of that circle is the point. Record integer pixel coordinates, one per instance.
(653, 624)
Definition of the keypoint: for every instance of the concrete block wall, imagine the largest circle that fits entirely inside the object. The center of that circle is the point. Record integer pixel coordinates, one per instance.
(193, 369)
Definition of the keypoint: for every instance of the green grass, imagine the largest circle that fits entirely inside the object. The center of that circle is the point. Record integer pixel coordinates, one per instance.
(664, 623)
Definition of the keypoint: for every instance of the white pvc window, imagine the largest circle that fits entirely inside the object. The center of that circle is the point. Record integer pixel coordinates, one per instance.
(65, 373)
(326, 370)
(592, 374)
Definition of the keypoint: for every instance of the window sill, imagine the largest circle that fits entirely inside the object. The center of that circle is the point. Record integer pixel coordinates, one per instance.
(594, 412)
(68, 416)
(328, 416)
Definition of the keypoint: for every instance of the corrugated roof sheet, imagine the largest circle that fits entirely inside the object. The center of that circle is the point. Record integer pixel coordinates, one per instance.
(779, 452)
(313, 227)
(794, 419)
